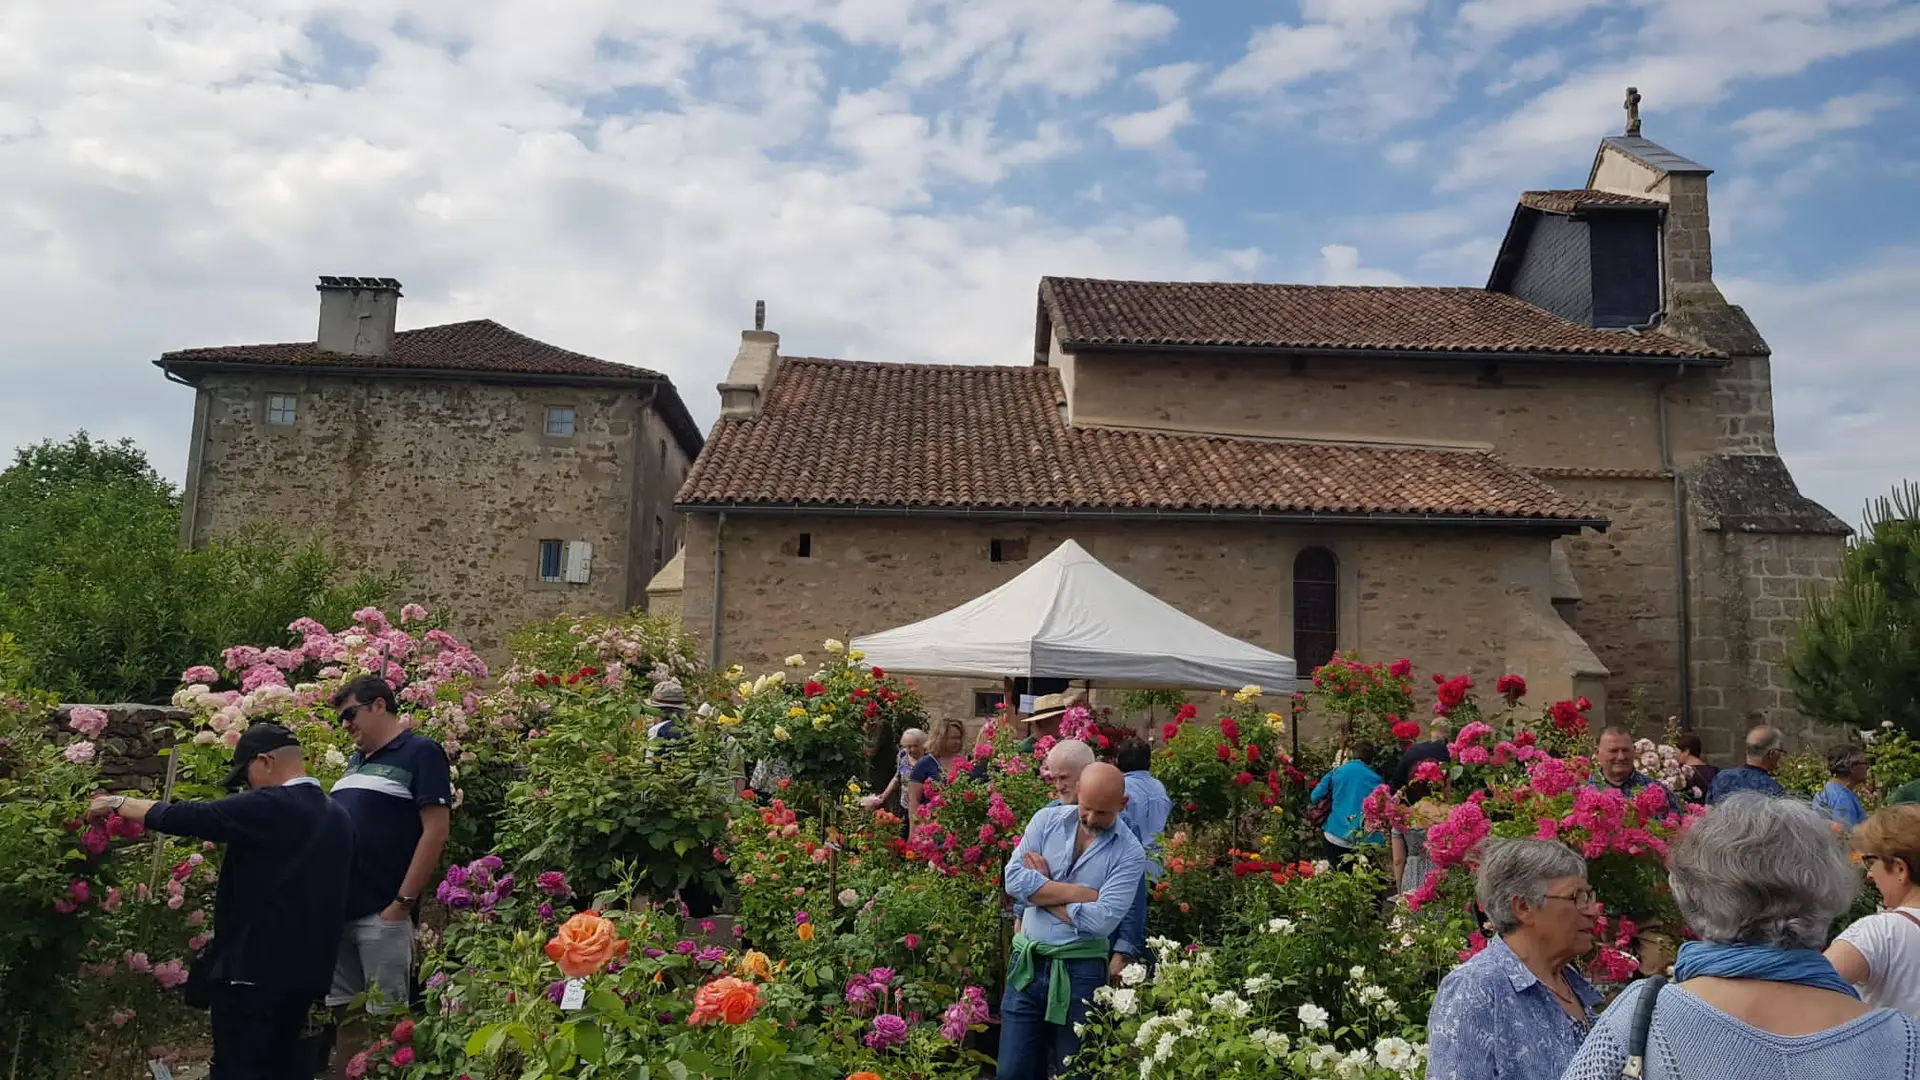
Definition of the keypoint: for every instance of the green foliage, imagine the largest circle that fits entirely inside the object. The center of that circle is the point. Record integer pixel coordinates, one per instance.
(597, 796)
(820, 727)
(1856, 660)
(1151, 705)
(104, 601)
(1893, 759)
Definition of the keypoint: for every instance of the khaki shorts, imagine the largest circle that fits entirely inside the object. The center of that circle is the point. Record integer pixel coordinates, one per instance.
(374, 955)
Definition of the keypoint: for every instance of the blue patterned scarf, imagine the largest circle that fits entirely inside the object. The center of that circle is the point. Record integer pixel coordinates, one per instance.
(1805, 967)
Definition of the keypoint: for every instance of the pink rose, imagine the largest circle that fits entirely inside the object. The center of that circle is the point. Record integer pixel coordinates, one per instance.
(87, 720)
(112, 903)
(79, 752)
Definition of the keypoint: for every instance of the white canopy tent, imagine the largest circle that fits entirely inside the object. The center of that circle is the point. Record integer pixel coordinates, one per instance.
(1069, 617)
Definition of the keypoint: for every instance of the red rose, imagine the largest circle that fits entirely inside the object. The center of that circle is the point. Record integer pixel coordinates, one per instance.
(878, 674)
(1253, 754)
(1511, 687)
(813, 689)
(1401, 668)
(1230, 729)
(1406, 731)
(1223, 752)
(403, 1032)
(1583, 704)
(1185, 713)
(1243, 779)
(1168, 731)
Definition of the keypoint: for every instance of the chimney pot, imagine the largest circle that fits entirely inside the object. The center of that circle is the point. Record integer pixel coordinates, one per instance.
(357, 314)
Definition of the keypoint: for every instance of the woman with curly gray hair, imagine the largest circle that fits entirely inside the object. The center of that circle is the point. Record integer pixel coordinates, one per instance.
(1759, 880)
(1518, 1009)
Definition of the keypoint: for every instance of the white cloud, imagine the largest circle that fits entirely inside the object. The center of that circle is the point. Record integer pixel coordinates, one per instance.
(1149, 128)
(1846, 368)
(1491, 21)
(1771, 131)
(1332, 35)
(1169, 81)
(1530, 69)
(624, 180)
(1340, 265)
(1687, 53)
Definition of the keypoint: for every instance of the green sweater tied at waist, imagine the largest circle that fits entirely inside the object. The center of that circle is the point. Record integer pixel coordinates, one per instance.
(1059, 988)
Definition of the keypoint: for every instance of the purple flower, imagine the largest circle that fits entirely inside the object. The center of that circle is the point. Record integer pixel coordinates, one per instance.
(436, 980)
(664, 1018)
(712, 954)
(859, 992)
(684, 948)
(556, 990)
(614, 966)
(456, 875)
(800, 918)
(502, 887)
(489, 863)
(456, 898)
(881, 977)
(554, 884)
(888, 1030)
(706, 926)
(546, 912)
(652, 954)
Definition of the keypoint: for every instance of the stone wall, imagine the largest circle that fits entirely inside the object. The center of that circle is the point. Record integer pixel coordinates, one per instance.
(1473, 600)
(128, 752)
(450, 484)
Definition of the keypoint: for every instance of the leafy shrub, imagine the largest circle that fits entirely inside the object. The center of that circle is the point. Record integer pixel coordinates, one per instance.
(1856, 658)
(108, 606)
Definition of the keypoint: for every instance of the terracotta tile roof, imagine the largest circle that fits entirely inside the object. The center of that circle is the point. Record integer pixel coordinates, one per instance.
(838, 434)
(1570, 200)
(478, 346)
(1086, 312)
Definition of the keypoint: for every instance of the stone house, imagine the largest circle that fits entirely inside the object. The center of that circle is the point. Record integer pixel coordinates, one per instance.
(1569, 473)
(501, 478)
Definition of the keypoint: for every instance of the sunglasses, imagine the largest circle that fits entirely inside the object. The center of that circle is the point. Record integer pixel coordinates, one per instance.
(347, 714)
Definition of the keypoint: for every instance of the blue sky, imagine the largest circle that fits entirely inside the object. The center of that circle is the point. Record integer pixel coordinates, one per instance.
(893, 176)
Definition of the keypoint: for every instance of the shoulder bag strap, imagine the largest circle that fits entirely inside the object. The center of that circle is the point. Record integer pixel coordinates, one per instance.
(1907, 915)
(1636, 1063)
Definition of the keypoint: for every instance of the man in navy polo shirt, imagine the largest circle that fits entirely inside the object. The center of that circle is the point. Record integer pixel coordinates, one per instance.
(399, 794)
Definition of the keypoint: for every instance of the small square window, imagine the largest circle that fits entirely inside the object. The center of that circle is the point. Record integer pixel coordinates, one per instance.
(552, 556)
(559, 422)
(1006, 551)
(281, 408)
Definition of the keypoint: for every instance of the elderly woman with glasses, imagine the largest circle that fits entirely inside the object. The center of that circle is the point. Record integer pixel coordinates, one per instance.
(1759, 881)
(1880, 954)
(1518, 1010)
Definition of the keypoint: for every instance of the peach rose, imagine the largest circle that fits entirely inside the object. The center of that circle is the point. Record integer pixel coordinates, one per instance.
(754, 965)
(805, 930)
(584, 944)
(863, 1076)
(727, 999)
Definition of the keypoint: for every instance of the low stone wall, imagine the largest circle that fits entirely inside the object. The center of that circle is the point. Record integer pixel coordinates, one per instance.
(129, 750)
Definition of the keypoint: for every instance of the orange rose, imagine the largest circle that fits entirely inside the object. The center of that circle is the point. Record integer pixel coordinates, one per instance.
(584, 944)
(863, 1076)
(805, 931)
(754, 964)
(727, 999)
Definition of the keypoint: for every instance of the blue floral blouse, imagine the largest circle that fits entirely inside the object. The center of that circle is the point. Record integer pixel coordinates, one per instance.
(1494, 1020)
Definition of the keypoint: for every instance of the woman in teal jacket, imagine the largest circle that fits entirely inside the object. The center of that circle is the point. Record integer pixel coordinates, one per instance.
(1349, 784)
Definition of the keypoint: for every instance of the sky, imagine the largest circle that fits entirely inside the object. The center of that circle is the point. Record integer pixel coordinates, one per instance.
(893, 177)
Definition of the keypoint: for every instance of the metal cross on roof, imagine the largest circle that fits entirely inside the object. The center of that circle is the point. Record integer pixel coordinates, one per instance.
(1633, 110)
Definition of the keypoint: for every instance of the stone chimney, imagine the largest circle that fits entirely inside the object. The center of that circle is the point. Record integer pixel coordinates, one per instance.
(357, 314)
(754, 368)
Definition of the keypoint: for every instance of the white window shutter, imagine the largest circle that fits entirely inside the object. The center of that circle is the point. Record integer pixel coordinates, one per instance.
(579, 562)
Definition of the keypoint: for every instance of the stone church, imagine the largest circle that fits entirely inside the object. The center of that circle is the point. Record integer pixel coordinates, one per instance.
(1569, 473)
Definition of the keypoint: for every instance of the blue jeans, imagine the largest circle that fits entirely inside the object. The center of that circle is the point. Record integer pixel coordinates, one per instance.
(1130, 937)
(1031, 1048)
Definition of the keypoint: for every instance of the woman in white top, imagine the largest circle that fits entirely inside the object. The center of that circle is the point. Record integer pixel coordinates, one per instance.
(1880, 954)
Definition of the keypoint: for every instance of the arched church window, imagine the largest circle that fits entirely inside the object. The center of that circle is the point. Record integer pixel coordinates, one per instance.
(1316, 609)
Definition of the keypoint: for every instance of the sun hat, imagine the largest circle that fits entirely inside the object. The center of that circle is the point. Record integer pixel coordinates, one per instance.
(667, 695)
(1046, 707)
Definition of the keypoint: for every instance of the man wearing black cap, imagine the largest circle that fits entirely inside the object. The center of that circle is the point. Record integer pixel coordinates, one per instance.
(278, 908)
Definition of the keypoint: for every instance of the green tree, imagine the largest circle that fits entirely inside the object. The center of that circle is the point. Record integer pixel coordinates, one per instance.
(1857, 657)
(104, 602)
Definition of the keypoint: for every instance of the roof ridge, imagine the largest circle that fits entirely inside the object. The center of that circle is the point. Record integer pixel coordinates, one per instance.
(911, 365)
(1262, 284)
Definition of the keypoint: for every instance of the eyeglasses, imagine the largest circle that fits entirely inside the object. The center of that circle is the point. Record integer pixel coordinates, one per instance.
(1582, 899)
(347, 714)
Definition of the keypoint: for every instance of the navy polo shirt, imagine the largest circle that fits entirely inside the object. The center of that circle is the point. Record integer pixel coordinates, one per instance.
(384, 795)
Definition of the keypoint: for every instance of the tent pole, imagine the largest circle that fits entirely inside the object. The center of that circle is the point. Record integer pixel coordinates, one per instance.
(1006, 701)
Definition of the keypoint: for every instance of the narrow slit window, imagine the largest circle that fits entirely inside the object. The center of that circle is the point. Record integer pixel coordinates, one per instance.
(282, 408)
(552, 559)
(805, 547)
(1316, 609)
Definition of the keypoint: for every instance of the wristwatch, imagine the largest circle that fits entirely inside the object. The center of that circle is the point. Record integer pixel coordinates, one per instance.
(118, 802)
(405, 901)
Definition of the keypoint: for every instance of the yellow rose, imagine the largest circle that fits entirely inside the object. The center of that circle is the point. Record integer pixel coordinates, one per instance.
(746, 689)
(726, 720)
(820, 722)
(797, 711)
(780, 734)
(853, 786)
(1250, 690)
(734, 672)
(833, 646)
(856, 655)
(826, 706)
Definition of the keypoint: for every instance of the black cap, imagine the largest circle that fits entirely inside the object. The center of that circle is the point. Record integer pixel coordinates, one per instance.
(256, 740)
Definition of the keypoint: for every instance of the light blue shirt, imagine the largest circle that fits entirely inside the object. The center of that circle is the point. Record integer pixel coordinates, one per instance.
(1351, 784)
(1690, 1038)
(1838, 802)
(1148, 808)
(1493, 1019)
(1112, 866)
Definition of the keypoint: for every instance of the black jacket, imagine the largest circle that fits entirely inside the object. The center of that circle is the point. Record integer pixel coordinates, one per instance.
(282, 898)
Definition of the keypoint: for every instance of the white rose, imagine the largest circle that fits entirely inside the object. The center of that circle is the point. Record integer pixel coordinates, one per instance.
(335, 759)
(834, 646)
(1133, 975)
(1313, 1017)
